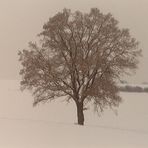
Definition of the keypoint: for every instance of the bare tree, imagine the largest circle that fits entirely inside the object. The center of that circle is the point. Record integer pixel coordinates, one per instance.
(79, 56)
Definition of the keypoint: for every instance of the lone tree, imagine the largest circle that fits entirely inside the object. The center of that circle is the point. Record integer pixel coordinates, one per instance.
(79, 56)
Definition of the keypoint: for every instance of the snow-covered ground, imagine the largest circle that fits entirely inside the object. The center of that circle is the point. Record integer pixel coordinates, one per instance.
(52, 125)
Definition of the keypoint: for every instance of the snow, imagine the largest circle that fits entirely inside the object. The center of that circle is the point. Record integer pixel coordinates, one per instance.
(52, 125)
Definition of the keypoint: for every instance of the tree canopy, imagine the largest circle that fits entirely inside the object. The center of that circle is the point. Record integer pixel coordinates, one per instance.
(79, 56)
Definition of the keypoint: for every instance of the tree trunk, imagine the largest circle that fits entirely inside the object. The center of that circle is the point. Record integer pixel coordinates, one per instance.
(80, 114)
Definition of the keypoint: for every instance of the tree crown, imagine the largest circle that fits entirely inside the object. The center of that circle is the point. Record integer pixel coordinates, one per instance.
(80, 55)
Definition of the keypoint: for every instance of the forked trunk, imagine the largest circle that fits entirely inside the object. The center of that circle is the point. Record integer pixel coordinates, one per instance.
(80, 114)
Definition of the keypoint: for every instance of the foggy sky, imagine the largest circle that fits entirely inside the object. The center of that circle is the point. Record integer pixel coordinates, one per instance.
(22, 20)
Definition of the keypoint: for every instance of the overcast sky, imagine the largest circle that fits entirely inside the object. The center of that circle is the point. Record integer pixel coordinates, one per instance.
(22, 20)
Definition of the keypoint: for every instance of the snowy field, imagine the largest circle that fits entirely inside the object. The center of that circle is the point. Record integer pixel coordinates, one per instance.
(52, 125)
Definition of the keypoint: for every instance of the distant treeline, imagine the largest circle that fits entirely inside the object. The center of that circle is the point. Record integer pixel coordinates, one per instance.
(130, 88)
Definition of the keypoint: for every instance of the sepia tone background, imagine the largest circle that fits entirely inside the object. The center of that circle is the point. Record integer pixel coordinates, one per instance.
(52, 125)
(22, 20)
